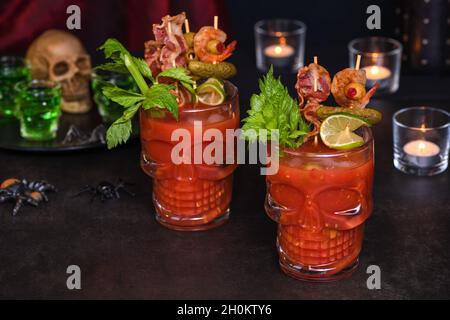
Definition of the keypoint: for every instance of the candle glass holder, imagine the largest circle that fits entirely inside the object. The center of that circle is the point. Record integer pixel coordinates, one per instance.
(381, 59)
(421, 140)
(281, 43)
(12, 71)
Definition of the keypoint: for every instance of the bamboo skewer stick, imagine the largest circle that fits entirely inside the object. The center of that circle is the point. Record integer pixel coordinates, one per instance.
(316, 84)
(358, 62)
(186, 25)
(216, 26)
(216, 22)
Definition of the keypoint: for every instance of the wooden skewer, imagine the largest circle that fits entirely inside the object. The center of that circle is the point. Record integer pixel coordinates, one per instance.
(316, 141)
(216, 26)
(316, 85)
(358, 62)
(186, 25)
(169, 29)
(216, 22)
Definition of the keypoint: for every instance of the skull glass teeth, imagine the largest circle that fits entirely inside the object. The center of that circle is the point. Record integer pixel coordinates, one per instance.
(59, 56)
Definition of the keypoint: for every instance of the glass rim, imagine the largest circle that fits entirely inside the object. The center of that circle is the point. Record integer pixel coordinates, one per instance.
(230, 98)
(422, 108)
(398, 47)
(334, 153)
(98, 74)
(301, 27)
(15, 59)
(49, 84)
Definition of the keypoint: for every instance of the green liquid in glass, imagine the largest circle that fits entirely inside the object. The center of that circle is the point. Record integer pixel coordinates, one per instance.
(109, 110)
(12, 71)
(38, 111)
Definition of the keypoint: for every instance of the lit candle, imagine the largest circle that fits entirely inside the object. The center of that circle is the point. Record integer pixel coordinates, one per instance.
(422, 153)
(377, 72)
(279, 51)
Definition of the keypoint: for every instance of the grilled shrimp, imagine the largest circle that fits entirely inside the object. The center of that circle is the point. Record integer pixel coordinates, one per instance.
(209, 45)
(348, 89)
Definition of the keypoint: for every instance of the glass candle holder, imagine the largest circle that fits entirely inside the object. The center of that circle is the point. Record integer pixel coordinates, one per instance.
(38, 109)
(421, 140)
(110, 110)
(12, 71)
(381, 58)
(281, 43)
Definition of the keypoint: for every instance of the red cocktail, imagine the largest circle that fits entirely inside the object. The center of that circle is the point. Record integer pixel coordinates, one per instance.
(189, 196)
(321, 198)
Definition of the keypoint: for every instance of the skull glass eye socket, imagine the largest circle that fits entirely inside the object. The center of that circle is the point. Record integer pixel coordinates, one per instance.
(61, 68)
(287, 196)
(340, 202)
(83, 63)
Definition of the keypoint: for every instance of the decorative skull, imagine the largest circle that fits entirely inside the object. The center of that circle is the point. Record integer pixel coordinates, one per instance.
(60, 56)
(321, 216)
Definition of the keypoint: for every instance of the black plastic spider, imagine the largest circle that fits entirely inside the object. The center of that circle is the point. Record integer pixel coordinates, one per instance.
(23, 192)
(106, 190)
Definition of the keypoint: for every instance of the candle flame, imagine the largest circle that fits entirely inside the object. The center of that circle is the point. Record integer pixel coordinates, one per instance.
(423, 127)
(374, 70)
(278, 50)
(422, 146)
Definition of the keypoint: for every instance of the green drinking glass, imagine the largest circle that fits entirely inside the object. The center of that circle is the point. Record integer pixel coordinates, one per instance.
(38, 109)
(109, 110)
(12, 71)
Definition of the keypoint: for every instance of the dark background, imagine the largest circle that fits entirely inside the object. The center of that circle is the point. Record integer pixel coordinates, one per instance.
(331, 24)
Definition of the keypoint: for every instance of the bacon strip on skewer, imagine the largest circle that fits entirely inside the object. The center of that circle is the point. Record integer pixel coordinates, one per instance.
(313, 87)
(169, 45)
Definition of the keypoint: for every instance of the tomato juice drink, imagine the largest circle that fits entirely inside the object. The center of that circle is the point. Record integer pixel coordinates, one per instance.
(320, 199)
(189, 196)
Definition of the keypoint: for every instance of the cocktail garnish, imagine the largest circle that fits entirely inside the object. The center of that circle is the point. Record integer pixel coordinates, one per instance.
(211, 92)
(221, 70)
(158, 95)
(337, 132)
(371, 116)
(274, 109)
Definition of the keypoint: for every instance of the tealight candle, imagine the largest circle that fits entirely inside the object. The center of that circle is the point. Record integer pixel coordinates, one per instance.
(422, 153)
(280, 43)
(381, 59)
(377, 72)
(279, 51)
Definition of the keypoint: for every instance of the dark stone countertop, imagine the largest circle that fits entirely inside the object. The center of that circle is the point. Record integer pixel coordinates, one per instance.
(124, 253)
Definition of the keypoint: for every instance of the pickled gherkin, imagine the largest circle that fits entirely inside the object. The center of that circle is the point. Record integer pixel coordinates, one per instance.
(220, 70)
(371, 116)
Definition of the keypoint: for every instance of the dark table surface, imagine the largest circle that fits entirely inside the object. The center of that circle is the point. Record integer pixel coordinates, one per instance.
(124, 253)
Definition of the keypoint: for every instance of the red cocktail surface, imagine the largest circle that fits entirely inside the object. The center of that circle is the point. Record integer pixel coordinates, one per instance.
(189, 197)
(321, 199)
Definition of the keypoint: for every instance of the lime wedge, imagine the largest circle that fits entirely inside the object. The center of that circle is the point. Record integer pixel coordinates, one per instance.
(210, 94)
(337, 132)
(216, 82)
